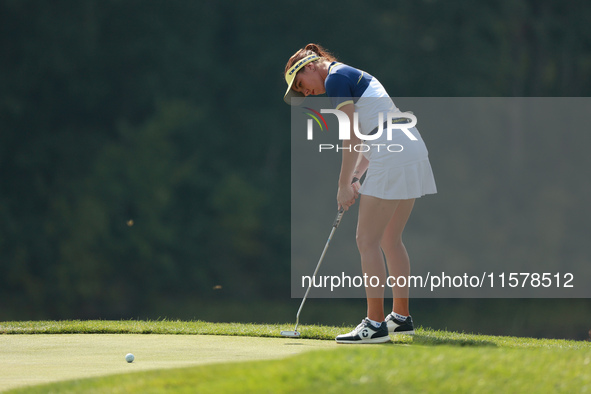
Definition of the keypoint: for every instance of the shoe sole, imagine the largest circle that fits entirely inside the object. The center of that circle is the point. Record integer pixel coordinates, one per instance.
(366, 341)
(403, 332)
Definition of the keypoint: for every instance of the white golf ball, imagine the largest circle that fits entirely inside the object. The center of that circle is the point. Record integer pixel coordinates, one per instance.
(129, 357)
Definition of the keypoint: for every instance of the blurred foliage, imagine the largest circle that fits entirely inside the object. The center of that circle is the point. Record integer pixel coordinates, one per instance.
(144, 145)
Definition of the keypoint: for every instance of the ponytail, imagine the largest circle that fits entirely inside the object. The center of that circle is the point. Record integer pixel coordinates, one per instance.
(310, 49)
(320, 51)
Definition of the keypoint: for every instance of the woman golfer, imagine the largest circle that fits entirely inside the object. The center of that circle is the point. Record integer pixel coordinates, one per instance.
(394, 179)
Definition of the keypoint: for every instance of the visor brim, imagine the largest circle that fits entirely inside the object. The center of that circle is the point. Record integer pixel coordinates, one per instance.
(293, 98)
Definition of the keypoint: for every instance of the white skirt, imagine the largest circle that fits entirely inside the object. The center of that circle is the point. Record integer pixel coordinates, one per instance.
(399, 168)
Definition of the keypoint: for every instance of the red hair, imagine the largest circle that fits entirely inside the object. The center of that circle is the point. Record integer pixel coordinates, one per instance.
(310, 49)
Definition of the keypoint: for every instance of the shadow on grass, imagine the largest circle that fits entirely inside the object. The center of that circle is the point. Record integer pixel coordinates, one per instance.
(420, 339)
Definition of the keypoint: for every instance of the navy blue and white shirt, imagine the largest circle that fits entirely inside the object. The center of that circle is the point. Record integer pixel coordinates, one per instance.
(347, 85)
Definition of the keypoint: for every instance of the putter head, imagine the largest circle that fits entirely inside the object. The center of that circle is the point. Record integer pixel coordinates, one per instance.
(290, 334)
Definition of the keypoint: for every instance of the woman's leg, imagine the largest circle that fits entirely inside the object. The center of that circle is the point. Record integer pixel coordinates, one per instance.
(396, 256)
(375, 215)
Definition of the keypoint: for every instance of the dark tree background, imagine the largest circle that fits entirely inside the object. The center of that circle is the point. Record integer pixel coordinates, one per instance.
(145, 145)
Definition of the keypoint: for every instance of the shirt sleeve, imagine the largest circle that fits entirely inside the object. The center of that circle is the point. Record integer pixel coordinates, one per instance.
(340, 90)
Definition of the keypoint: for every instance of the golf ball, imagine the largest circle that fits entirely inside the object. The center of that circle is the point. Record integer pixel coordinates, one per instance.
(129, 357)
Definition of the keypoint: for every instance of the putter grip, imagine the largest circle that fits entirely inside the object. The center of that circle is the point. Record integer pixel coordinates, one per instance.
(341, 211)
(337, 220)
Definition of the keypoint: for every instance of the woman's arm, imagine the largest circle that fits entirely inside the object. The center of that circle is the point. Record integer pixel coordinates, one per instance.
(347, 192)
(361, 167)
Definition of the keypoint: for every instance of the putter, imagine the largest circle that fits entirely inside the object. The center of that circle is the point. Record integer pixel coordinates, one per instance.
(337, 221)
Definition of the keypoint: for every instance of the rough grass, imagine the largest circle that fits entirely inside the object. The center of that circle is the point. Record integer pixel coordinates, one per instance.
(424, 336)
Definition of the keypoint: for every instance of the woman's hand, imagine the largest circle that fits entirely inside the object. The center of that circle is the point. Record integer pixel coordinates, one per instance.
(356, 186)
(346, 196)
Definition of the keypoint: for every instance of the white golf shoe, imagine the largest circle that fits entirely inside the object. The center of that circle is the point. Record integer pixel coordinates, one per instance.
(365, 332)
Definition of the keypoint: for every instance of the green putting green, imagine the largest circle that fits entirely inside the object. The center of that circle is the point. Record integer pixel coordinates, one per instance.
(34, 359)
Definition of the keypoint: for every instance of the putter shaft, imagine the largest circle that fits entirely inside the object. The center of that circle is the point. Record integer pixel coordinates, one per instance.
(336, 223)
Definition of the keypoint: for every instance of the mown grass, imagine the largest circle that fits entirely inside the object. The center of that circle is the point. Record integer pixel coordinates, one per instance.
(424, 336)
(163, 327)
(431, 361)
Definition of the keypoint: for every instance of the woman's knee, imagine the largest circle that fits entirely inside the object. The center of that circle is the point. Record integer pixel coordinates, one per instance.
(391, 245)
(366, 243)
